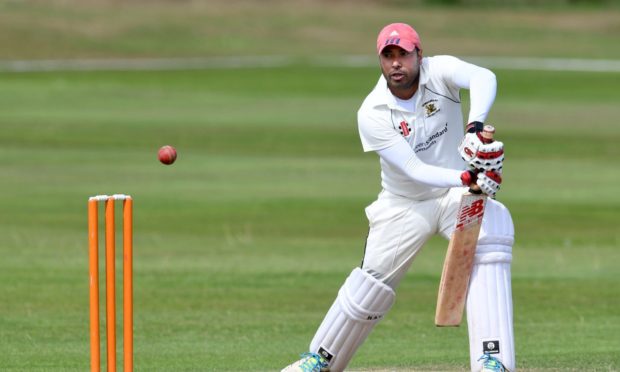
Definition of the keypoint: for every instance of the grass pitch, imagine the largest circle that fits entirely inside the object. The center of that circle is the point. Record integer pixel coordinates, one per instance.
(241, 245)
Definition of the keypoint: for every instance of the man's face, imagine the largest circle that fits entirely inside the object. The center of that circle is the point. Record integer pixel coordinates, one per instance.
(401, 69)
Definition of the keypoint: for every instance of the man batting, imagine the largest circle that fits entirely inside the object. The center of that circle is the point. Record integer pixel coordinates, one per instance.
(412, 119)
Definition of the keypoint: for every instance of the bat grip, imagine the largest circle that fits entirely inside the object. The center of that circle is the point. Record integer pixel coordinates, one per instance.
(486, 136)
(474, 189)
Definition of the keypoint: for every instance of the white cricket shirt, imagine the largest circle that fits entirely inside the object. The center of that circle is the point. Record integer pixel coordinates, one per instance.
(430, 124)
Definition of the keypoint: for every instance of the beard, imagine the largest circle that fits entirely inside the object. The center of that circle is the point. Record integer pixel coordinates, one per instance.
(402, 82)
(405, 83)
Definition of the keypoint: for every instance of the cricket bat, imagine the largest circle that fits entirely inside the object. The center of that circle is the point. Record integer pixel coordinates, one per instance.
(460, 255)
(459, 261)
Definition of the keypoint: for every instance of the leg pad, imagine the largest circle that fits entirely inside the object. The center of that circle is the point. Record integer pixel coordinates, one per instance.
(361, 303)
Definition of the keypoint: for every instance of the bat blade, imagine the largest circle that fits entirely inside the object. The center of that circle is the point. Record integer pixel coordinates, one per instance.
(459, 261)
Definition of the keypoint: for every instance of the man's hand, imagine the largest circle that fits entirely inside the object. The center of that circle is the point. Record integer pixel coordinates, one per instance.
(468, 178)
(489, 157)
(479, 155)
(469, 146)
(485, 158)
(489, 182)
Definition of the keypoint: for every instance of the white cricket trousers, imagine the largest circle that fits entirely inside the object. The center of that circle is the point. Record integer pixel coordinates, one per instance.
(399, 228)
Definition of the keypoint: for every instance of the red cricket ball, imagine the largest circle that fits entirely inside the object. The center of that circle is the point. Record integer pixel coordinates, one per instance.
(167, 154)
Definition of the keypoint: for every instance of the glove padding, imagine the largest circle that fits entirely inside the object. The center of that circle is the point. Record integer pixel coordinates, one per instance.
(481, 156)
(489, 182)
(469, 146)
(490, 157)
(468, 177)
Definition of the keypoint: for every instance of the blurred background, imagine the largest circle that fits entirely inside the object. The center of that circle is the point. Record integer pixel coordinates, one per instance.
(242, 244)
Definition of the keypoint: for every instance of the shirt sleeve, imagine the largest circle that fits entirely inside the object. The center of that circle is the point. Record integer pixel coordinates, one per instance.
(481, 82)
(401, 156)
(376, 131)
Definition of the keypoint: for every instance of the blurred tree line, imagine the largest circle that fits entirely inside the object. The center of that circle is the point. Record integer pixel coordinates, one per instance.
(508, 3)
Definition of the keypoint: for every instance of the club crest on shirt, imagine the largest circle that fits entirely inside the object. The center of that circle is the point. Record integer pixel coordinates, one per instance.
(404, 128)
(430, 108)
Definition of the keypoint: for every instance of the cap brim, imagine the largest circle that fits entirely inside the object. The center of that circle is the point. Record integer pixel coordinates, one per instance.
(404, 44)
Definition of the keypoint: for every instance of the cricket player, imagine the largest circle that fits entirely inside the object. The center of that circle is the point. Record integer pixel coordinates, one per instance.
(413, 120)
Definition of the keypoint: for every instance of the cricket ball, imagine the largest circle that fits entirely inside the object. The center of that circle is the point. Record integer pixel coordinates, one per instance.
(167, 154)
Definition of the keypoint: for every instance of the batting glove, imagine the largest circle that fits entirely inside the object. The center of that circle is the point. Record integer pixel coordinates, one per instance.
(489, 182)
(489, 157)
(480, 153)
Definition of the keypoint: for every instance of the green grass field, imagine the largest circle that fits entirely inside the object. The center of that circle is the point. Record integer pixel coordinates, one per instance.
(241, 245)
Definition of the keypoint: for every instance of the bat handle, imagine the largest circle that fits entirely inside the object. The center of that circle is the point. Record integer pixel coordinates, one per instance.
(487, 134)
(474, 189)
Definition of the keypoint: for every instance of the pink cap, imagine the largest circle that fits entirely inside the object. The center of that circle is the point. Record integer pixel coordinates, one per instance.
(399, 34)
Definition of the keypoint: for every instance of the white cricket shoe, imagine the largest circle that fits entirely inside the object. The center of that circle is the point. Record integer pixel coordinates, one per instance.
(491, 364)
(309, 362)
